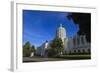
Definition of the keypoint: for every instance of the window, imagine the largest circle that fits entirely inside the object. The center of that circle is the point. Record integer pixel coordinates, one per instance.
(74, 51)
(88, 50)
(78, 51)
(83, 50)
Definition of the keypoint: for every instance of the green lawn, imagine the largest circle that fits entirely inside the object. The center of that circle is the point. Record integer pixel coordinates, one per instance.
(73, 57)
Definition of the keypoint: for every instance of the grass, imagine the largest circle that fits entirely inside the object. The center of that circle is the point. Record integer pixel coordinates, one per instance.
(58, 58)
(75, 57)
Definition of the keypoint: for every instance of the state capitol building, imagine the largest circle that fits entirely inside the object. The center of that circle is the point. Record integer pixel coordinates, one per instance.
(76, 44)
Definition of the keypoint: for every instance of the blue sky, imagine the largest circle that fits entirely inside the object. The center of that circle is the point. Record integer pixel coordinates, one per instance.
(39, 26)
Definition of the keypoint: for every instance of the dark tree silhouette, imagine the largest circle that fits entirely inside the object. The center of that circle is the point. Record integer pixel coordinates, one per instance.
(84, 21)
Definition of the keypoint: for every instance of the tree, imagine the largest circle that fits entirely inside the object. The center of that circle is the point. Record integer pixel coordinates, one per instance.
(33, 48)
(56, 47)
(26, 49)
(84, 22)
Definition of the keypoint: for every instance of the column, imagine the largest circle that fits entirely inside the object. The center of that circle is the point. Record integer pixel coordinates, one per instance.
(71, 42)
(80, 40)
(76, 41)
(84, 39)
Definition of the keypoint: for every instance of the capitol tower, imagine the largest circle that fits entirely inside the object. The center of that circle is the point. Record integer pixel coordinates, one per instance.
(61, 33)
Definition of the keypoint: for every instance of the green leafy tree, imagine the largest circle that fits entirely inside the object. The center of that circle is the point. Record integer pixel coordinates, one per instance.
(56, 47)
(26, 49)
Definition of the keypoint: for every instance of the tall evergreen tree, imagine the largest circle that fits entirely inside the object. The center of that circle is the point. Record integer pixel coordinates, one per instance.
(26, 49)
